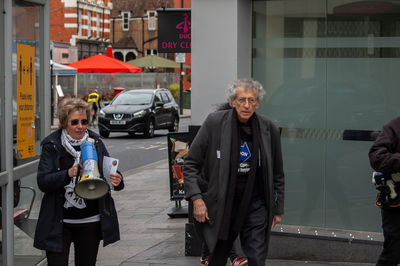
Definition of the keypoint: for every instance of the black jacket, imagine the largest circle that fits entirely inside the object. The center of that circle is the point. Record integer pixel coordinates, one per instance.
(51, 180)
(384, 154)
(209, 158)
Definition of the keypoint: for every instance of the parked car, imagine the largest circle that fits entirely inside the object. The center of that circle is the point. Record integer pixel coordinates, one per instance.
(139, 111)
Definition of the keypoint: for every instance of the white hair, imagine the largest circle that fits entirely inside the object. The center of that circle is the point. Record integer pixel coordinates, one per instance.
(247, 84)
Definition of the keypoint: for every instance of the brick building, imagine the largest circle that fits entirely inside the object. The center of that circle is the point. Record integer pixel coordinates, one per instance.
(79, 28)
(134, 27)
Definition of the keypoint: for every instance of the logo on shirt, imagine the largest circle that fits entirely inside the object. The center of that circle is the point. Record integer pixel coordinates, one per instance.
(245, 153)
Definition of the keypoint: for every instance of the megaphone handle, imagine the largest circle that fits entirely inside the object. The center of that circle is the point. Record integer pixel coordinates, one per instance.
(78, 173)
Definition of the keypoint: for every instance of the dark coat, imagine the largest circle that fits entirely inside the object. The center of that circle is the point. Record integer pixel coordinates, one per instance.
(214, 140)
(384, 154)
(51, 180)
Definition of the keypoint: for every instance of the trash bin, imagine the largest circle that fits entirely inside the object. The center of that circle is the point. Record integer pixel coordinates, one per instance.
(187, 99)
(118, 90)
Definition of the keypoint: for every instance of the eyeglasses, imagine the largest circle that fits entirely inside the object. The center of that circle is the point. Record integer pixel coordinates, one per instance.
(75, 122)
(251, 101)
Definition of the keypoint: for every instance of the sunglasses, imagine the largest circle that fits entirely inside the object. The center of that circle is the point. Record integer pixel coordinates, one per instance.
(75, 122)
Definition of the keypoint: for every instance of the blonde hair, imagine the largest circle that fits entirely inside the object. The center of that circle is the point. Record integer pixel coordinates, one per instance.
(69, 105)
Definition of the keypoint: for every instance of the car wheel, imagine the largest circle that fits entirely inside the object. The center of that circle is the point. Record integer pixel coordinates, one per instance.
(149, 133)
(175, 125)
(104, 133)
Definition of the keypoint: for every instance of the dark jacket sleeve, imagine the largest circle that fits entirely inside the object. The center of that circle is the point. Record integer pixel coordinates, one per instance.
(194, 161)
(384, 154)
(50, 179)
(278, 174)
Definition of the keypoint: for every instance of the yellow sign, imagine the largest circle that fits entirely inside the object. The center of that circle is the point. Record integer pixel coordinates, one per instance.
(25, 101)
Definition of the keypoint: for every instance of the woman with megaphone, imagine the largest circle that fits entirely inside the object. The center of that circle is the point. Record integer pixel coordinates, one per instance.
(64, 216)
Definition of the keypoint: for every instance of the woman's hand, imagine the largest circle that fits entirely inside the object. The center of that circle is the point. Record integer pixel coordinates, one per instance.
(115, 179)
(73, 171)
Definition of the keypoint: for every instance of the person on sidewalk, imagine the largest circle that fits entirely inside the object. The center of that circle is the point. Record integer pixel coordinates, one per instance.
(64, 217)
(94, 100)
(384, 156)
(238, 152)
(235, 259)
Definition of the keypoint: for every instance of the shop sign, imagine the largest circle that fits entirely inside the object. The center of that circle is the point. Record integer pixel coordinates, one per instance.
(174, 31)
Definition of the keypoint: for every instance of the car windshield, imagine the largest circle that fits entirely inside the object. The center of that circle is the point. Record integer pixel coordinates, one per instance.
(133, 99)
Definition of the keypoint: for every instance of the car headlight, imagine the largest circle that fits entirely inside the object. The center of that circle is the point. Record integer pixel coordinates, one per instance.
(102, 114)
(139, 114)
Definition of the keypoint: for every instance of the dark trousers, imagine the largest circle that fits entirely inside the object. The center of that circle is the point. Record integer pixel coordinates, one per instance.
(205, 252)
(390, 255)
(252, 237)
(86, 239)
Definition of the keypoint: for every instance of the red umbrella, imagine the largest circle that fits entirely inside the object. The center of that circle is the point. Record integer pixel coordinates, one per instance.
(109, 52)
(103, 64)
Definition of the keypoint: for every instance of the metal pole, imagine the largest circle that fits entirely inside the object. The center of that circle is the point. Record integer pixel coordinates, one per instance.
(181, 83)
(7, 205)
(181, 91)
(52, 88)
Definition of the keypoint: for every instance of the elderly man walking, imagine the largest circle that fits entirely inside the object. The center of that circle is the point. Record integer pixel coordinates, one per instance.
(238, 153)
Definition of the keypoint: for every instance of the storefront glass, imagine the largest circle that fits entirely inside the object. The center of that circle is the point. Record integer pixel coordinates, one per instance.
(2, 138)
(26, 60)
(25, 36)
(329, 68)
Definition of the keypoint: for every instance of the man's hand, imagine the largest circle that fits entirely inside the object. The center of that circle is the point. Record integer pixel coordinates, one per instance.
(277, 219)
(200, 210)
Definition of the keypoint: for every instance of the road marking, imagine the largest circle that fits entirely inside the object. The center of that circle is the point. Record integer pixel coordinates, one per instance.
(152, 147)
(160, 149)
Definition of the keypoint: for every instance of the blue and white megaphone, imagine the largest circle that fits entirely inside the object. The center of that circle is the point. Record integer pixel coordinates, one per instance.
(90, 185)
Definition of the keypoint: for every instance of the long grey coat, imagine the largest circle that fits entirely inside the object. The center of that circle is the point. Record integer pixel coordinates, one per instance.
(209, 158)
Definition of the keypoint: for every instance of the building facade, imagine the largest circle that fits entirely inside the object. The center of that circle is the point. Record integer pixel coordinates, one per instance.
(134, 27)
(84, 25)
(329, 69)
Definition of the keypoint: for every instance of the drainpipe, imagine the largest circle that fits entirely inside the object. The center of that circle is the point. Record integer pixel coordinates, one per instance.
(77, 15)
(181, 83)
(143, 36)
(113, 29)
(103, 26)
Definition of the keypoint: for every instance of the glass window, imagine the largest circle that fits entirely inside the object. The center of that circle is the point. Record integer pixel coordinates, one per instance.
(2, 90)
(157, 98)
(26, 73)
(330, 74)
(125, 21)
(26, 59)
(151, 16)
(98, 25)
(165, 97)
(89, 33)
(132, 99)
(80, 22)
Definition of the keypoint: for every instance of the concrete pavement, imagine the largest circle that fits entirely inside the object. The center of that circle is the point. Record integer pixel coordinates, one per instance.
(148, 235)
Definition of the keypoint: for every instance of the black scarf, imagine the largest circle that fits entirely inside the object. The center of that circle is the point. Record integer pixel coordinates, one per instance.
(234, 163)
